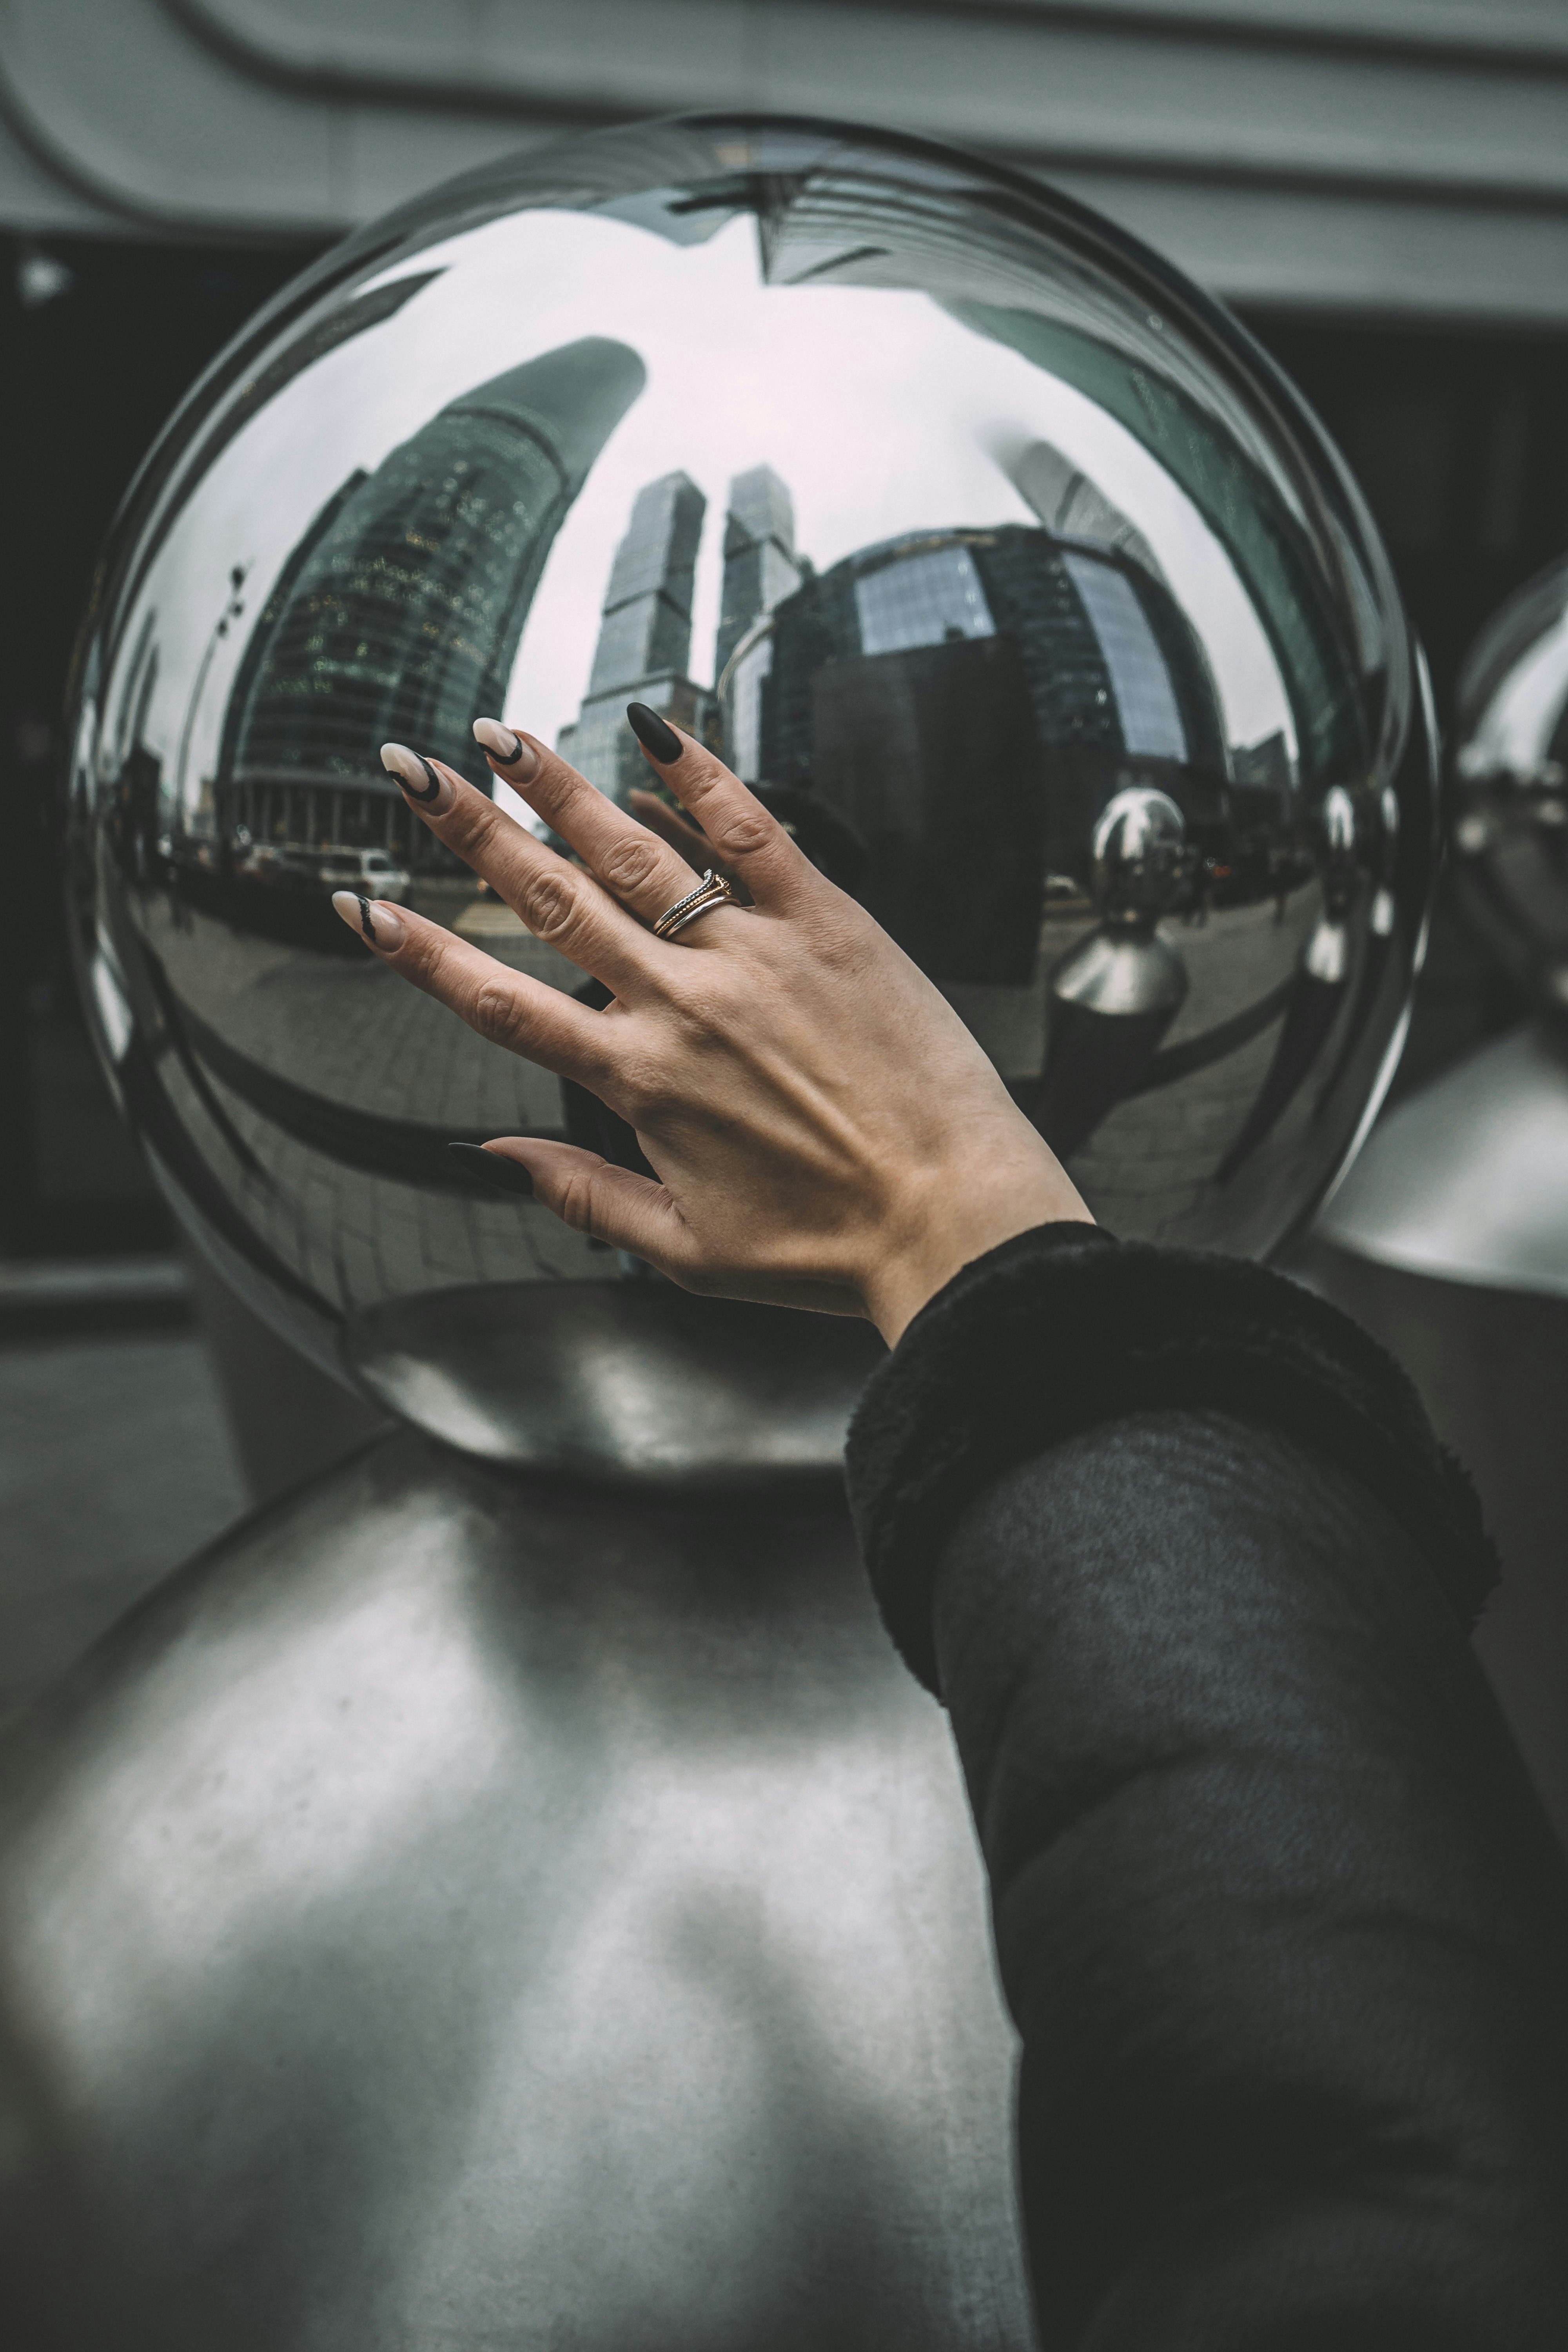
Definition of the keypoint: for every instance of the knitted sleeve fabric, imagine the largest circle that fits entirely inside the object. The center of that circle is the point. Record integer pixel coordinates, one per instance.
(1063, 1326)
(1282, 1929)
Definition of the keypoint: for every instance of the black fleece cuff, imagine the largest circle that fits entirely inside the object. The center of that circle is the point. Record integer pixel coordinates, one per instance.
(1063, 1326)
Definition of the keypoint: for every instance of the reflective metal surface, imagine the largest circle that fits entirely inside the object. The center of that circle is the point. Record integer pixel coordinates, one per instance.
(1000, 560)
(1508, 786)
(1467, 1180)
(460, 1911)
(1448, 1238)
(640, 1385)
(1490, 1359)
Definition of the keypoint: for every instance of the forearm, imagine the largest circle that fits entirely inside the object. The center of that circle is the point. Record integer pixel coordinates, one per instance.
(1277, 1918)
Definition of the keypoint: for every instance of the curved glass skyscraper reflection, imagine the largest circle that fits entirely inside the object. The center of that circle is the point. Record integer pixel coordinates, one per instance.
(947, 692)
(398, 613)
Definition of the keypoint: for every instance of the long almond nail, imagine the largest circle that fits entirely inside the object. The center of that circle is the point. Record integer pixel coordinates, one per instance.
(653, 734)
(493, 1168)
(510, 750)
(418, 778)
(378, 926)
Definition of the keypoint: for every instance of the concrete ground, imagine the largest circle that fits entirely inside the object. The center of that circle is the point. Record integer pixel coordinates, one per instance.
(116, 1463)
(143, 1410)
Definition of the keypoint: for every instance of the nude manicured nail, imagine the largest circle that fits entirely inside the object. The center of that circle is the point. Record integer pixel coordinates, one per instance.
(503, 745)
(493, 1168)
(379, 925)
(418, 778)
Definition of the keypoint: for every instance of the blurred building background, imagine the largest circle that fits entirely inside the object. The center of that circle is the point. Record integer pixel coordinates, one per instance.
(1379, 186)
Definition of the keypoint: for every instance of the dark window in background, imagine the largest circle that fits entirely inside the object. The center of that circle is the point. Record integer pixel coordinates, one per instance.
(1458, 441)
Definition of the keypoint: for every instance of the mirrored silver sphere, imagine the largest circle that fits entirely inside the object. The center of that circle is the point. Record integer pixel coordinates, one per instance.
(996, 557)
(1508, 786)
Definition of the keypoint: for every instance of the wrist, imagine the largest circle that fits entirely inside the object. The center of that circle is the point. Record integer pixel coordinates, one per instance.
(952, 1228)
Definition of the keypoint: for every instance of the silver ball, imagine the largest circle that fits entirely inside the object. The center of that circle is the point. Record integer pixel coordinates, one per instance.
(1138, 855)
(1005, 568)
(1507, 781)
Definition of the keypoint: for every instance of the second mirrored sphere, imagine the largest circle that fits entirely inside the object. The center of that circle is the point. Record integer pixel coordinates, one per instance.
(996, 558)
(1508, 782)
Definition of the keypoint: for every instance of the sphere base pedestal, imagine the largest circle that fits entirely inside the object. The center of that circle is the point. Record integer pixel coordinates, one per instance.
(461, 1910)
(1448, 1241)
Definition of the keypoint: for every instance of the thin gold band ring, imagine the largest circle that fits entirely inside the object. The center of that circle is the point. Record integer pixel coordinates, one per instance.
(711, 891)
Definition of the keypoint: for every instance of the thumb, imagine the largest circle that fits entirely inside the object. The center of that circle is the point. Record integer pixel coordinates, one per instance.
(594, 1197)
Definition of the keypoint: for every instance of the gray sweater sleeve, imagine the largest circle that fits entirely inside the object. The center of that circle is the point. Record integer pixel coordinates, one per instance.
(1281, 1925)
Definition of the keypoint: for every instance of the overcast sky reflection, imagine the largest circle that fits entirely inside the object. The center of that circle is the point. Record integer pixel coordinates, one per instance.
(880, 411)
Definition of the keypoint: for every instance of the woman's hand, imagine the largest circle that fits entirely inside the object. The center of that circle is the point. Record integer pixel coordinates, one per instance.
(825, 1131)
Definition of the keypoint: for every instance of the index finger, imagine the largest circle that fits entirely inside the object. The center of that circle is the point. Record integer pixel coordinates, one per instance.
(745, 837)
(559, 902)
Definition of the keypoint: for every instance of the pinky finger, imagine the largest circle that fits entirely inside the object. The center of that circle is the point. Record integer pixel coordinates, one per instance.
(594, 1197)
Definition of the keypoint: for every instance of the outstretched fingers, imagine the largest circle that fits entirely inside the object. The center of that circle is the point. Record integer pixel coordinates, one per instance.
(745, 839)
(510, 1009)
(559, 903)
(646, 872)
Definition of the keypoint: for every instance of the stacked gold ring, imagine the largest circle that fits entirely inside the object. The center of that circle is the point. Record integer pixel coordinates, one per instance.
(711, 891)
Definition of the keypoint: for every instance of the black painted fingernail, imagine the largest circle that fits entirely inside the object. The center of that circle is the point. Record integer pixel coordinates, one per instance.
(493, 1168)
(653, 734)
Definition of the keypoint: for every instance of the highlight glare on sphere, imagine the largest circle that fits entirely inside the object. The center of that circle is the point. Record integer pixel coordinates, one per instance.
(990, 552)
(1509, 784)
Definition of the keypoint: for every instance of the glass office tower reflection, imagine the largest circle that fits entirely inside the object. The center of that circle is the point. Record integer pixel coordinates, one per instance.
(397, 613)
(967, 702)
(1015, 580)
(644, 637)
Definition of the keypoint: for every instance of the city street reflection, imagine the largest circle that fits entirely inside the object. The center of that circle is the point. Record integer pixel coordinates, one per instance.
(1002, 567)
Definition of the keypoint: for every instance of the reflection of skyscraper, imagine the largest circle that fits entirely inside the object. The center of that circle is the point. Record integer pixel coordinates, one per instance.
(1071, 506)
(1111, 663)
(1248, 511)
(647, 624)
(1264, 772)
(645, 636)
(760, 567)
(967, 701)
(930, 755)
(1113, 678)
(400, 612)
(237, 740)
